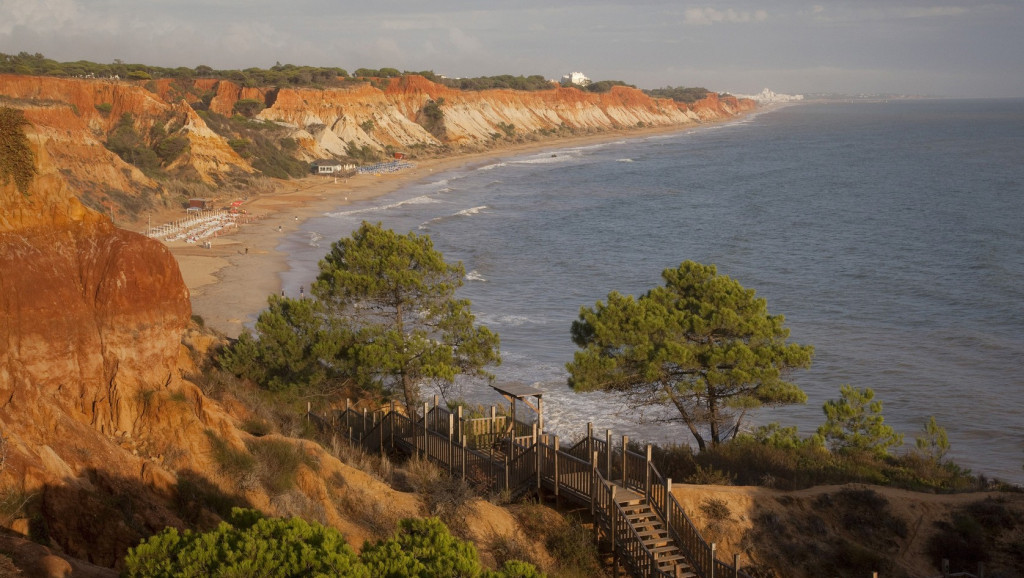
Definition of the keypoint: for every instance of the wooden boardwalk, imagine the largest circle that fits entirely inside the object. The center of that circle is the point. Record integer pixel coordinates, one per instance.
(632, 505)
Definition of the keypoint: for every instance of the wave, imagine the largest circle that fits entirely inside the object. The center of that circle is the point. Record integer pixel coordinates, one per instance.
(470, 212)
(491, 166)
(624, 160)
(314, 239)
(420, 200)
(559, 157)
(475, 275)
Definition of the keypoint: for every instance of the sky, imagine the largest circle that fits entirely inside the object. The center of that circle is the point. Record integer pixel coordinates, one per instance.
(951, 48)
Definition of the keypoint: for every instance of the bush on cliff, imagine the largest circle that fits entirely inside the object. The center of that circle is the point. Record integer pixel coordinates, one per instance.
(250, 544)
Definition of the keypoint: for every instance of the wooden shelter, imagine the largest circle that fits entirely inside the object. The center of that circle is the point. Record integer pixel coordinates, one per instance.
(517, 391)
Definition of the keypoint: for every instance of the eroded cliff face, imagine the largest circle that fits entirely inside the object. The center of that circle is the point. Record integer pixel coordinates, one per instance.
(90, 315)
(91, 319)
(103, 439)
(77, 117)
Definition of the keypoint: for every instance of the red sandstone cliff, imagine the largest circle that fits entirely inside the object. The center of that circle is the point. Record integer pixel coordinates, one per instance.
(77, 116)
(102, 441)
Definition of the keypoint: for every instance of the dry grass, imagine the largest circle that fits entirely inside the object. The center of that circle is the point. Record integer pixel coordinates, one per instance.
(366, 508)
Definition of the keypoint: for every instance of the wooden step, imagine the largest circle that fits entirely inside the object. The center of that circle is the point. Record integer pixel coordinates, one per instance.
(651, 532)
(687, 573)
(674, 562)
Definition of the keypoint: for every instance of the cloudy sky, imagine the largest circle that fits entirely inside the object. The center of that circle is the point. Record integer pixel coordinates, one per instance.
(956, 48)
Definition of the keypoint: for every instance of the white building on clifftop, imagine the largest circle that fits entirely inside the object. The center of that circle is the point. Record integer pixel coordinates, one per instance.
(576, 78)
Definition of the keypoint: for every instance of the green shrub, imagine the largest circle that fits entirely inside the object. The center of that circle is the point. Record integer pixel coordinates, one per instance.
(248, 545)
(248, 107)
(104, 108)
(854, 424)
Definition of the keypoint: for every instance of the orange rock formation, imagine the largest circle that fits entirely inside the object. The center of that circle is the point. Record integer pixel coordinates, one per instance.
(75, 115)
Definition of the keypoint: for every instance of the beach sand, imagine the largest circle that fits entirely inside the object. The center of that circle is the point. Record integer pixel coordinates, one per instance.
(230, 281)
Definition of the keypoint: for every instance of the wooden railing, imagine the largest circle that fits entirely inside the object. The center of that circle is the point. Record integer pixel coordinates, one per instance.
(625, 540)
(485, 453)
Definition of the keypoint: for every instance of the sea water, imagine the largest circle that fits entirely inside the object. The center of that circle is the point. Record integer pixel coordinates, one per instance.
(889, 234)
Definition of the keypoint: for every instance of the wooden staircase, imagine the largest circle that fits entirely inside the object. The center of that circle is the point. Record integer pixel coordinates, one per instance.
(647, 523)
(632, 505)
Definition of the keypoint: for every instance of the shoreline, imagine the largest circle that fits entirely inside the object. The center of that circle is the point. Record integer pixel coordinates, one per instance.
(229, 283)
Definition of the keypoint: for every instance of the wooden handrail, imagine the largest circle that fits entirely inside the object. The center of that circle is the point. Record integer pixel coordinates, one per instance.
(581, 471)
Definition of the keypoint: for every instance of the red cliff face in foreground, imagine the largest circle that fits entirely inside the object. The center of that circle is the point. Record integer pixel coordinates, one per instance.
(91, 319)
(90, 315)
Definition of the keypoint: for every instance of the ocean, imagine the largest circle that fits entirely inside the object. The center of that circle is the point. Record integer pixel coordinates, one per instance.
(889, 234)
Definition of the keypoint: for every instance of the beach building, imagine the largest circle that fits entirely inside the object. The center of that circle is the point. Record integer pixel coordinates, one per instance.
(328, 167)
(577, 78)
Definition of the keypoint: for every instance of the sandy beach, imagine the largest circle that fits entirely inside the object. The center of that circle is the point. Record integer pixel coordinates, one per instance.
(230, 281)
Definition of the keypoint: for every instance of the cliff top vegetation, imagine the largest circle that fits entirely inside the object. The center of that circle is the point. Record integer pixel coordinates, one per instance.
(297, 75)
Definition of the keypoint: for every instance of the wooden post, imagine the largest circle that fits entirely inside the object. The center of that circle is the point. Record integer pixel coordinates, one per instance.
(668, 510)
(625, 443)
(537, 448)
(506, 474)
(540, 414)
(459, 435)
(364, 420)
(647, 474)
(309, 407)
(711, 570)
(463, 458)
(593, 495)
(491, 439)
(392, 424)
(425, 437)
(451, 438)
(348, 407)
(981, 570)
(945, 568)
(590, 438)
(736, 565)
(558, 480)
(608, 455)
(612, 515)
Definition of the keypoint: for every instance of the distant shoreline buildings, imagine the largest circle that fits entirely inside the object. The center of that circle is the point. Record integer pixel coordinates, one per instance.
(767, 96)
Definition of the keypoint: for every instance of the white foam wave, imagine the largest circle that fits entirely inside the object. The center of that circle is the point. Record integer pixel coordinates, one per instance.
(475, 275)
(472, 211)
(624, 160)
(562, 156)
(491, 167)
(314, 239)
(420, 200)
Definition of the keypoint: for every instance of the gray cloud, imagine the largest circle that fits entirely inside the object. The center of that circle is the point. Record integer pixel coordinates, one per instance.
(940, 47)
